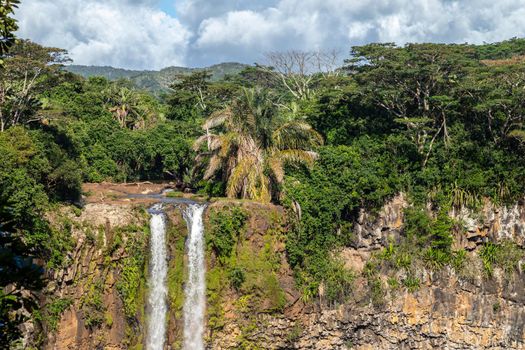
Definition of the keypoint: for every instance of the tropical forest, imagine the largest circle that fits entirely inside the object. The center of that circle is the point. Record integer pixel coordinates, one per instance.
(367, 198)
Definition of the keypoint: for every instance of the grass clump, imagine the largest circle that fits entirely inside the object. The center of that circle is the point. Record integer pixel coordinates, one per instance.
(51, 313)
(506, 255)
(174, 194)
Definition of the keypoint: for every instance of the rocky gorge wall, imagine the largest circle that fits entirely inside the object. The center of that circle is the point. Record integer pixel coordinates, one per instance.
(448, 310)
(94, 313)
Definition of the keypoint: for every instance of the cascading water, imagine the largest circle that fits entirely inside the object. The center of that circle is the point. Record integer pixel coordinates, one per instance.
(158, 291)
(195, 289)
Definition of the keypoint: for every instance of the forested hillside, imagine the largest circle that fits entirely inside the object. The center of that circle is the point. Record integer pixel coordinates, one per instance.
(442, 123)
(154, 81)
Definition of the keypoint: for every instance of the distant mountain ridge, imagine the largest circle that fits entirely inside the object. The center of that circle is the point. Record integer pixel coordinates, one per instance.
(154, 81)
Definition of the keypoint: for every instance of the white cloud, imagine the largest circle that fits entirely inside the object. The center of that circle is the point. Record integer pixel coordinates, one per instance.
(132, 33)
(127, 34)
(244, 31)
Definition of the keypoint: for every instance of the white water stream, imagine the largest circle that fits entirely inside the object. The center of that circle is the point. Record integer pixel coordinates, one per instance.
(158, 289)
(195, 289)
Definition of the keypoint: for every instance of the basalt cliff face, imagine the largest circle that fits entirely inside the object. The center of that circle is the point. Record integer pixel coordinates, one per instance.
(97, 301)
(449, 310)
(94, 315)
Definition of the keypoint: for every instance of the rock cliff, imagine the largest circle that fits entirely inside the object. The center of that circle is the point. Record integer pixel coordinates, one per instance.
(449, 310)
(97, 300)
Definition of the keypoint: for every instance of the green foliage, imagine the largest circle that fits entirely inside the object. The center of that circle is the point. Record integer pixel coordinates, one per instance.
(10, 331)
(443, 123)
(377, 292)
(174, 194)
(435, 233)
(459, 260)
(52, 312)
(496, 307)
(329, 196)
(506, 256)
(132, 277)
(504, 49)
(237, 277)
(260, 277)
(295, 333)
(226, 228)
(8, 26)
(215, 283)
(92, 304)
(108, 319)
(399, 256)
(248, 145)
(32, 174)
(338, 283)
(488, 255)
(155, 82)
(128, 287)
(177, 269)
(411, 283)
(251, 272)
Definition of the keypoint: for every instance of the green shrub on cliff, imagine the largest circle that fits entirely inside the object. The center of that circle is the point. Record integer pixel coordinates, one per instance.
(92, 304)
(226, 228)
(323, 203)
(177, 269)
(252, 272)
(51, 312)
(506, 255)
(131, 279)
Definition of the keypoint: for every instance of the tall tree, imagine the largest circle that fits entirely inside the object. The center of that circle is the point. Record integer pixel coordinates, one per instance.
(497, 93)
(130, 108)
(194, 96)
(296, 71)
(8, 26)
(29, 70)
(415, 84)
(253, 144)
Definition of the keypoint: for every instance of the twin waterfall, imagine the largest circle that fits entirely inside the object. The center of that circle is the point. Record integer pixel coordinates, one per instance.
(194, 292)
(195, 289)
(158, 290)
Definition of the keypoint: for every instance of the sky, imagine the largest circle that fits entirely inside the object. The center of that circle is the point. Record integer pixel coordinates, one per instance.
(153, 34)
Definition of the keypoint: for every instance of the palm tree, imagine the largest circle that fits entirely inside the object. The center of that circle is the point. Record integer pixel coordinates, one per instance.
(251, 145)
(128, 107)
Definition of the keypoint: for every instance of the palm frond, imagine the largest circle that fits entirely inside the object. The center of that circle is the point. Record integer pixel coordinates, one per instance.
(296, 135)
(226, 144)
(238, 176)
(264, 195)
(295, 156)
(214, 165)
(254, 145)
(197, 144)
(276, 166)
(217, 118)
(518, 134)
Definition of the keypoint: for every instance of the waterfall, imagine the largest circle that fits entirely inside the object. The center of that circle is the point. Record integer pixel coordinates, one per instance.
(195, 289)
(156, 336)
